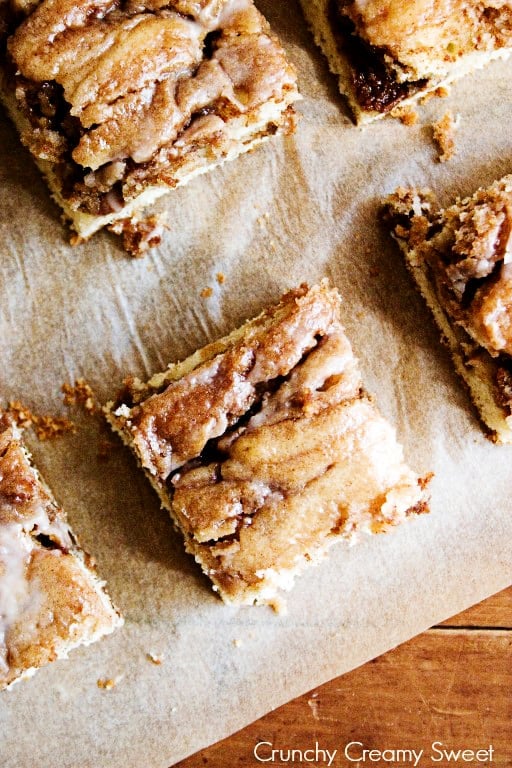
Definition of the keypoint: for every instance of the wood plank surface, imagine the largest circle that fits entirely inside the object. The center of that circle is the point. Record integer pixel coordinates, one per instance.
(452, 684)
(494, 612)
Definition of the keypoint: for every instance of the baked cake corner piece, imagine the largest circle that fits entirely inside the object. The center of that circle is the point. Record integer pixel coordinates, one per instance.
(51, 599)
(265, 448)
(206, 82)
(460, 260)
(390, 53)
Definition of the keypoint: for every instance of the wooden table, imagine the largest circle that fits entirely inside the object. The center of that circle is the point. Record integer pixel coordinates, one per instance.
(452, 684)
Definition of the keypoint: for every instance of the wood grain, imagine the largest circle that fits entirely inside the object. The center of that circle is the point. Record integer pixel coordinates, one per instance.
(452, 684)
(494, 612)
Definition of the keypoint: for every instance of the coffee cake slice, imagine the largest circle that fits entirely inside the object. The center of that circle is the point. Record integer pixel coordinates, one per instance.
(120, 102)
(389, 53)
(266, 449)
(460, 258)
(51, 600)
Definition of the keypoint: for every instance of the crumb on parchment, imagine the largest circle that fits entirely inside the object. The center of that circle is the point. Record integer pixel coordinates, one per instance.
(140, 233)
(106, 684)
(406, 114)
(46, 427)
(279, 606)
(49, 427)
(155, 658)
(440, 93)
(206, 292)
(443, 133)
(80, 393)
(221, 278)
(22, 415)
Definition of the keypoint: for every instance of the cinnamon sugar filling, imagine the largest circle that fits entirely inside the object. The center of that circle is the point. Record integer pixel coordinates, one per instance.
(375, 84)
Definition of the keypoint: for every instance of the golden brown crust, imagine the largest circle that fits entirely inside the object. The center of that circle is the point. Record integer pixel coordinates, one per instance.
(265, 448)
(50, 599)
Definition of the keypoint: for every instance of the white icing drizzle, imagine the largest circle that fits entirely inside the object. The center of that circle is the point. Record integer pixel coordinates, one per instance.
(17, 594)
(27, 510)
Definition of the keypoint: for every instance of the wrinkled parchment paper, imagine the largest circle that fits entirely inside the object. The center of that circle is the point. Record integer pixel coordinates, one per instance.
(297, 209)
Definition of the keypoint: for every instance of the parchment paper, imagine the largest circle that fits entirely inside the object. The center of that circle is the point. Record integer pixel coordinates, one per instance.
(297, 209)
